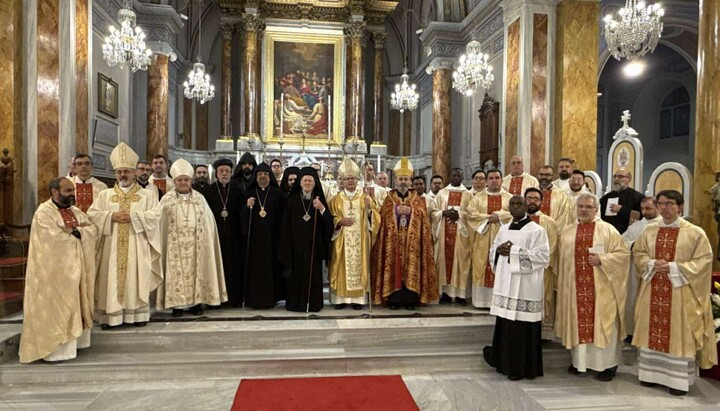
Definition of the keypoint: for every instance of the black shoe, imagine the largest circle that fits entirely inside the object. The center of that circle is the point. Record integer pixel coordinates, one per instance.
(356, 307)
(461, 301)
(677, 393)
(410, 307)
(648, 384)
(607, 375)
(394, 307)
(574, 371)
(340, 306)
(108, 327)
(487, 355)
(445, 299)
(513, 377)
(140, 324)
(177, 312)
(196, 310)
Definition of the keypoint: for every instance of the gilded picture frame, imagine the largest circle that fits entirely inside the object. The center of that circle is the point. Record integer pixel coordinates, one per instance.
(107, 96)
(303, 68)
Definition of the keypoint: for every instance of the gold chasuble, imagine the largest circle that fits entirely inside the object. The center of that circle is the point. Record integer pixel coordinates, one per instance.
(60, 281)
(516, 185)
(591, 299)
(351, 245)
(557, 205)
(550, 274)
(479, 210)
(675, 320)
(452, 240)
(403, 252)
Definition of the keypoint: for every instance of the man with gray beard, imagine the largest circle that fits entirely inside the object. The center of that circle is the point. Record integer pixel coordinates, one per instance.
(618, 206)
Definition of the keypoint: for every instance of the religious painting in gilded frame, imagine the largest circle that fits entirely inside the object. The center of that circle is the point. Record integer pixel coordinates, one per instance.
(303, 86)
(107, 96)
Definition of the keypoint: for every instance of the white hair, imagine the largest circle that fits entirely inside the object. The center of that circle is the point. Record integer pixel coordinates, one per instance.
(592, 196)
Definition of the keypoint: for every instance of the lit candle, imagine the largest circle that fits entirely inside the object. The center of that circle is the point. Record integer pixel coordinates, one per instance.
(282, 107)
(329, 118)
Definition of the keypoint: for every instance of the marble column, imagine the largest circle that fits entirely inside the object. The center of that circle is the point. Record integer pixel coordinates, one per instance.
(188, 123)
(48, 95)
(707, 125)
(157, 103)
(441, 142)
(11, 97)
(81, 76)
(379, 85)
(252, 25)
(354, 111)
(67, 83)
(201, 126)
(576, 82)
(226, 79)
(529, 77)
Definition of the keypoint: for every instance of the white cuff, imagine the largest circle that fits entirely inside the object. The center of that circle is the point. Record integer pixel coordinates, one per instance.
(649, 271)
(676, 277)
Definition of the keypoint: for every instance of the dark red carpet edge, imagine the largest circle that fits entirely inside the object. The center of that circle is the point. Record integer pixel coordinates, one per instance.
(376, 393)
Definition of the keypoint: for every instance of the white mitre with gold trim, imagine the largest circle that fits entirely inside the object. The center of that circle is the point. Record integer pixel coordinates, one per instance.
(182, 167)
(348, 168)
(403, 168)
(123, 156)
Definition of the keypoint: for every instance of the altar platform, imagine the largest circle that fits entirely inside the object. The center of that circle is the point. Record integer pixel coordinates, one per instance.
(197, 363)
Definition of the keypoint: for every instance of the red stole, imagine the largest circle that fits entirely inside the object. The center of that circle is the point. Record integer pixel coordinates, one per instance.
(516, 185)
(68, 217)
(535, 218)
(661, 292)
(454, 199)
(83, 196)
(494, 204)
(585, 283)
(546, 202)
(161, 184)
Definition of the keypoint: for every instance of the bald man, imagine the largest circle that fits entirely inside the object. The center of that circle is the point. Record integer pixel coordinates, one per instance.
(518, 180)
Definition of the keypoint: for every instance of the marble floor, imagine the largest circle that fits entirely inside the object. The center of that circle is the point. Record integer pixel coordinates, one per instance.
(483, 389)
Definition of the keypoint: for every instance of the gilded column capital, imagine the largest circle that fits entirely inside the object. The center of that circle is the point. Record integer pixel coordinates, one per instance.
(379, 40)
(251, 22)
(355, 29)
(228, 30)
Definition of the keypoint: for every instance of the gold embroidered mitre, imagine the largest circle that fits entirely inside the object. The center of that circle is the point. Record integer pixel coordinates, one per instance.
(182, 167)
(348, 168)
(123, 156)
(403, 168)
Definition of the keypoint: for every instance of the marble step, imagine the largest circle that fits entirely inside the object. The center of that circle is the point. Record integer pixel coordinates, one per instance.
(324, 333)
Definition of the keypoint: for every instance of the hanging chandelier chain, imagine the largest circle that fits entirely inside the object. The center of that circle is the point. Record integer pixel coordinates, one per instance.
(197, 86)
(405, 97)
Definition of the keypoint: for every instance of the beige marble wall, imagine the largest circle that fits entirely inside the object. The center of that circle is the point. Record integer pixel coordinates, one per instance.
(157, 106)
(512, 83)
(48, 94)
(354, 93)
(707, 122)
(81, 76)
(539, 120)
(442, 82)
(576, 82)
(11, 94)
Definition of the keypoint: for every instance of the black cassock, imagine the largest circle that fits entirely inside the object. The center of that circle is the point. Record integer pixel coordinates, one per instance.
(233, 255)
(264, 281)
(298, 248)
(630, 200)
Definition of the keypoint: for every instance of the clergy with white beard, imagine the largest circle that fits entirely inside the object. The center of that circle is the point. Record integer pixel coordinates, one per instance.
(356, 226)
(87, 187)
(192, 260)
(519, 255)
(130, 245)
(518, 180)
(59, 280)
(487, 211)
(592, 287)
(649, 210)
(452, 246)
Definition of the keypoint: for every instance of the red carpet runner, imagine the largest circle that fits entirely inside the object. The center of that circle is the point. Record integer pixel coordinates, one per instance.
(376, 393)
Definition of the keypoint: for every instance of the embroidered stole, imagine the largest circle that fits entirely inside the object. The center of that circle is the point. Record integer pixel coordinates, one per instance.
(494, 203)
(68, 217)
(125, 201)
(454, 199)
(585, 283)
(661, 292)
(516, 185)
(546, 202)
(83, 196)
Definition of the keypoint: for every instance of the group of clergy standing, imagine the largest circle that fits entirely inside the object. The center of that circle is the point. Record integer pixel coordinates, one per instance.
(547, 257)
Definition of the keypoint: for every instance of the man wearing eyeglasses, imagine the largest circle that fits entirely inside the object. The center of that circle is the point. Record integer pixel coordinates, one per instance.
(674, 329)
(621, 206)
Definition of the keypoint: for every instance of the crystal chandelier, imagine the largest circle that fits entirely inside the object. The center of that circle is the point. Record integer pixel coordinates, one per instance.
(636, 31)
(405, 97)
(127, 45)
(198, 86)
(474, 70)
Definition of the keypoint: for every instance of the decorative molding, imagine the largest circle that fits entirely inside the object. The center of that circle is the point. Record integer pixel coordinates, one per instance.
(227, 29)
(379, 40)
(355, 29)
(251, 22)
